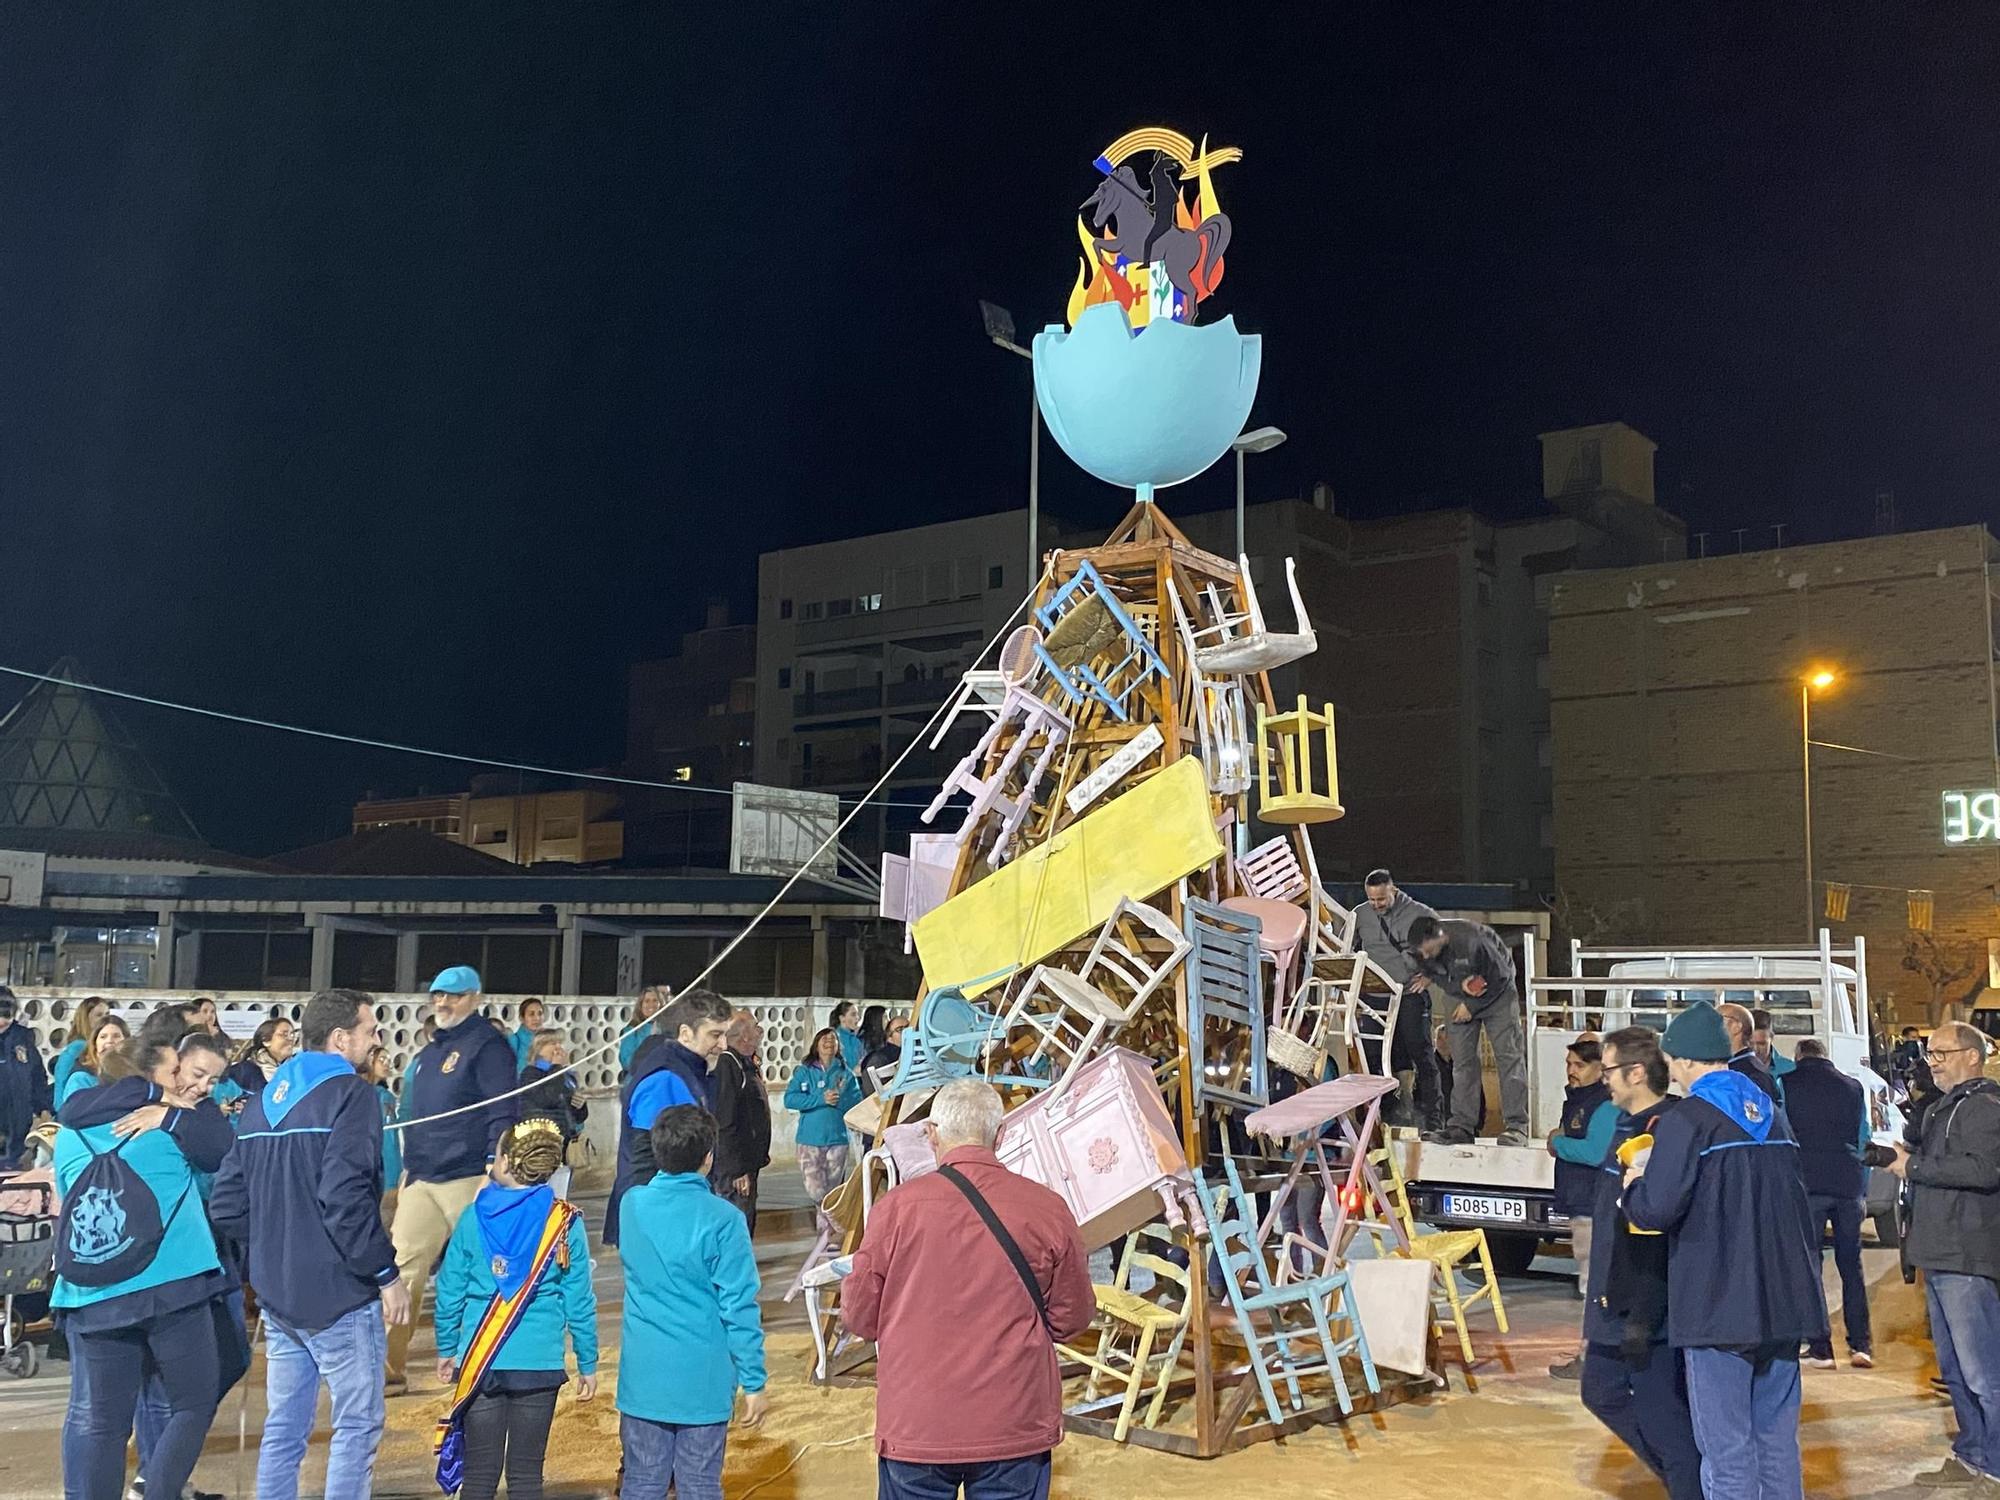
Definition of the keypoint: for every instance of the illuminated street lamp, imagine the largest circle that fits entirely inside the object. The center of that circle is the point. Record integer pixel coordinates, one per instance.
(1815, 680)
(1262, 440)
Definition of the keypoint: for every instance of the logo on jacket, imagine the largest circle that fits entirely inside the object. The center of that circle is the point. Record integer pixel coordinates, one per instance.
(499, 1268)
(20, 1054)
(279, 1092)
(97, 1227)
(1753, 1111)
(449, 1063)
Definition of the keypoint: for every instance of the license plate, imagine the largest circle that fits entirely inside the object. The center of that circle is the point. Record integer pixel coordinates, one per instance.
(1479, 1206)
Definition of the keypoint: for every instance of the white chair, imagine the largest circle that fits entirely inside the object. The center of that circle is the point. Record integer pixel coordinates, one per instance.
(1238, 644)
(1222, 715)
(1040, 724)
(983, 689)
(920, 882)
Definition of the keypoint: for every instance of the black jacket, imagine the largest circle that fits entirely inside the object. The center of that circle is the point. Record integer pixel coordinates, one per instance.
(640, 1100)
(742, 1117)
(24, 1090)
(1826, 1109)
(1752, 1067)
(1954, 1177)
(1628, 1272)
(553, 1097)
(469, 1064)
(1473, 948)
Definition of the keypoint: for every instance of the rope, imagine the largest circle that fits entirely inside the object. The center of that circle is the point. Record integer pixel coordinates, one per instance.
(835, 1443)
(769, 906)
(452, 755)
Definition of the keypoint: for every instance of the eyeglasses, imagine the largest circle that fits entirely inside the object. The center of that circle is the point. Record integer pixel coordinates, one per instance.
(1932, 1054)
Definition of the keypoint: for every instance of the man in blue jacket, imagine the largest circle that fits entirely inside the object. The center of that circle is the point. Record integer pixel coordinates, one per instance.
(669, 1070)
(1828, 1113)
(465, 1074)
(24, 1082)
(1742, 1270)
(300, 1192)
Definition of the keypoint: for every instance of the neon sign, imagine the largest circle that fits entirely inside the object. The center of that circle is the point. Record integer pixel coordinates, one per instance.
(1972, 817)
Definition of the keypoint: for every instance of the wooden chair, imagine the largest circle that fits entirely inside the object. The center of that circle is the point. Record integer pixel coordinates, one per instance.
(1138, 1333)
(1225, 986)
(1286, 1327)
(1285, 740)
(1454, 1252)
(1242, 643)
(1222, 715)
(1111, 656)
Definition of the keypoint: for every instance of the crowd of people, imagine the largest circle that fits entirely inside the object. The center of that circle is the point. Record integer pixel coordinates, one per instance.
(288, 1181)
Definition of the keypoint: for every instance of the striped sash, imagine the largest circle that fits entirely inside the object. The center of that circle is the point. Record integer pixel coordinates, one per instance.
(498, 1321)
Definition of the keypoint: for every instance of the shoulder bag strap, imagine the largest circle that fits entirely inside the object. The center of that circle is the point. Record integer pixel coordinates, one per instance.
(999, 1231)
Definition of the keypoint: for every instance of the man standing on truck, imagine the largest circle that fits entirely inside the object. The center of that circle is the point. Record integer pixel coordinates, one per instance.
(1381, 930)
(1742, 1271)
(1473, 968)
(1632, 1380)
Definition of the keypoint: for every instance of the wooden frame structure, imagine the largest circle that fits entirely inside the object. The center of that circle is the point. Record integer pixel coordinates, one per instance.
(1159, 586)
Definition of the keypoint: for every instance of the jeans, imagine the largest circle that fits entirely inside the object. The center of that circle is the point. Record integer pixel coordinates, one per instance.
(1846, 1216)
(1645, 1406)
(348, 1356)
(1965, 1327)
(1001, 1479)
(1502, 1023)
(232, 1353)
(1745, 1406)
(509, 1432)
(656, 1452)
(107, 1371)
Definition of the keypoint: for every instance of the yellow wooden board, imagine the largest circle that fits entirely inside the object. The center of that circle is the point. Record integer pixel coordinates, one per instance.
(1135, 845)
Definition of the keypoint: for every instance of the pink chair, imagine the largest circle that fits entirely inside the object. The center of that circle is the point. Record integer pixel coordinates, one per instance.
(1281, 934)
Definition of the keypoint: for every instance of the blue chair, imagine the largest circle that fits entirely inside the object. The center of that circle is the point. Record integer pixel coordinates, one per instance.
(948, 1039)
(1129, 657)
(1288, 1329)
(1225, 983)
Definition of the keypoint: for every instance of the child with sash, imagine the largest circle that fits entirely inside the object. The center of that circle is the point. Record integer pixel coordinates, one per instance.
(516, 1276)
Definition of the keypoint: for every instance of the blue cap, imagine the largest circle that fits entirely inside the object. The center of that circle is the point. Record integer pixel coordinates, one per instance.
(459, 979)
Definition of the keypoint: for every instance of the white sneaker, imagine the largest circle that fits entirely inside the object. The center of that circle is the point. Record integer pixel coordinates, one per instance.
(1861, 1359)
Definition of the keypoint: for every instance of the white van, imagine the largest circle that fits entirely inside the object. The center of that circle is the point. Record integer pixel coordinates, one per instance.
(1510, 1190)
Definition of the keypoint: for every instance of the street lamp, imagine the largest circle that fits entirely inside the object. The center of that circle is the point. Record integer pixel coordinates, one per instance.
(1000, 329)
(1817, 680)
(1257, 440)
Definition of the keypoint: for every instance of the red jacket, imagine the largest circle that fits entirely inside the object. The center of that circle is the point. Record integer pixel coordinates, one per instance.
(965, 1371)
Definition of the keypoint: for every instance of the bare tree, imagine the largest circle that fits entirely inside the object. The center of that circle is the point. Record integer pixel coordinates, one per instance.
(1954, 968)
(1588, 921)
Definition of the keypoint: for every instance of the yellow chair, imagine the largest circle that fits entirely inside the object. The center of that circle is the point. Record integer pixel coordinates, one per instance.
(1452, 1251)
(1136, 1331)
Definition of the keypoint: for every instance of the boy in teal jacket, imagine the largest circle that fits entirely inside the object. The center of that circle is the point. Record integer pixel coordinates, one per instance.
(493, 1248)
(691, 1331)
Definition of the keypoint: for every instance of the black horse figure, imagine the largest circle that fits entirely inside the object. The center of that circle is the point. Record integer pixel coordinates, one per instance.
(1121, 203)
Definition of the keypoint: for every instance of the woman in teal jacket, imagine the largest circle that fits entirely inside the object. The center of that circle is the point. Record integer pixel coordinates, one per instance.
(493, 1248)
(157, 1316)
(82, 1027)
(110, 1036)
(823, 1090)
(379, 1070)
(652, 1000)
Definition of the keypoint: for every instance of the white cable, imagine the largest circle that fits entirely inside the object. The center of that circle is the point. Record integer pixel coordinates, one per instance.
(769, 906)
(845, 1442)
(453, 755)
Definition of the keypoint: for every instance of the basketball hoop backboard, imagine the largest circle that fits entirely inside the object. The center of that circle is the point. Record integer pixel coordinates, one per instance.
(773, 830)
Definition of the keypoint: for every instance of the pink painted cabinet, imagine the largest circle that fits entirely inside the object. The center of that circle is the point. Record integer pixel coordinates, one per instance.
(1107, 1145)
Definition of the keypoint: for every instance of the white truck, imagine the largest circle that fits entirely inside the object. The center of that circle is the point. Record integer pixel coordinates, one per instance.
(1509, 1191)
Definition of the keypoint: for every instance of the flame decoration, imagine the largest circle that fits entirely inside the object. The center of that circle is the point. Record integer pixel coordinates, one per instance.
(1097, 278)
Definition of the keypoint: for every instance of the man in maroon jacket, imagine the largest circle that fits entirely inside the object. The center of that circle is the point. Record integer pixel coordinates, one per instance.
(967, 1392)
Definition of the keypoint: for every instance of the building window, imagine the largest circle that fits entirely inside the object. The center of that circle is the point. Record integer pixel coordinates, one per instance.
(784, 677)
(835, 608)
(812, 610)
(489, 833)
(784, 609)
(684, 773)
(996, 576)
(867, 603)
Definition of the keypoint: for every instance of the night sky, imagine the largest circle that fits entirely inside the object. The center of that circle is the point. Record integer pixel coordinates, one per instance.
(411, 369)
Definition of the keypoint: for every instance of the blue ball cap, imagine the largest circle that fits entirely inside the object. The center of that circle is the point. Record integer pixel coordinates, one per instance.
(459, 979)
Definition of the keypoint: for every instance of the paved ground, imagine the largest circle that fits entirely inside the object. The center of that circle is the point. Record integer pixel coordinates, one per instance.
(1517, 1433)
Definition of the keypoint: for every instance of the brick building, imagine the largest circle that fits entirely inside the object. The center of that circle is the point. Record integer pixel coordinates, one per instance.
(1678, 749)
